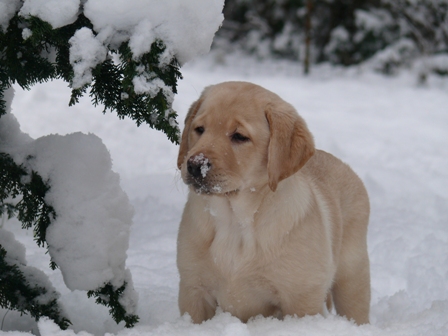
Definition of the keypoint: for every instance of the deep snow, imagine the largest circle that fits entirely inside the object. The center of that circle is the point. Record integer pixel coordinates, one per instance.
(393, 133)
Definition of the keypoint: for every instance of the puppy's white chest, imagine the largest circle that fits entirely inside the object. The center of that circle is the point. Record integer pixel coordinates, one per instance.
(234, 245)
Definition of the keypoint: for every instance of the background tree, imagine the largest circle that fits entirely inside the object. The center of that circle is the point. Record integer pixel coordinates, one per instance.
(306, 62)
(343, 32)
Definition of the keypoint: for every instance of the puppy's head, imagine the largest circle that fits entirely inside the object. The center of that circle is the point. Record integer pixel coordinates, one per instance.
(240, 136)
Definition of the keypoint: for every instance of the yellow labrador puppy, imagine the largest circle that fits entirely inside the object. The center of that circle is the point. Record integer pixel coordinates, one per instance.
(272, 226)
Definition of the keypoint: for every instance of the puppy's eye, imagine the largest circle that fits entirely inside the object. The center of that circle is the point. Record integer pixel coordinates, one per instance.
(199, 130)
(239, 138)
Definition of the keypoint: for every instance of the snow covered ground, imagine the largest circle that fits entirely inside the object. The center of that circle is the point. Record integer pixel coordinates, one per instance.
(394, 134)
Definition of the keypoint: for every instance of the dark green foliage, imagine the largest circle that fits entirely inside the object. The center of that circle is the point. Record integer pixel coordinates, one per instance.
(23, 194)
(21, 60)
(26, 61)
(45, 56)
(18, 294)
(112, 86)
(109, 297)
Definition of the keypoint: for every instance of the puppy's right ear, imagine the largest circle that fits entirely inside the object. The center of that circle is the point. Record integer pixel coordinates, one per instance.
(183, 149)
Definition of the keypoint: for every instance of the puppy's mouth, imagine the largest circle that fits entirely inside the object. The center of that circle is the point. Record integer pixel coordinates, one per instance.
(202, 186)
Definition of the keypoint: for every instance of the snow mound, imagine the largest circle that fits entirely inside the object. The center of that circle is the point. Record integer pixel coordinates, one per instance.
(90, 234)
(89, 237)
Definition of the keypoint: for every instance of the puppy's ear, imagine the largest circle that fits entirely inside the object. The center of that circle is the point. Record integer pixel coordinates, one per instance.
(183, 149)
(291, 144)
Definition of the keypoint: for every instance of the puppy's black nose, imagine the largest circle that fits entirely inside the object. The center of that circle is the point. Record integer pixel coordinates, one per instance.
(198, 166)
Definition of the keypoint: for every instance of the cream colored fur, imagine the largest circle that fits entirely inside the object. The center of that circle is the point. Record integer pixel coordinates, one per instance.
(271, 225)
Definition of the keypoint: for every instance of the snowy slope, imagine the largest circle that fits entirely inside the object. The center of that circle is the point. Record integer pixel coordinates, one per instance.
(391, 131)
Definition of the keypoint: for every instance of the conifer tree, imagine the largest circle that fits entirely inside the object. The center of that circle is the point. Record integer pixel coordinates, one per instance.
(31, 52)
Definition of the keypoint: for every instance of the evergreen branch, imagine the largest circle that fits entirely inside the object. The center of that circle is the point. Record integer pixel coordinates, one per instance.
(113, 87)
(3, 87)
(76, 94)
(2, 104)
(31, 209)
(110, 297)
(31, 52)
(18, 294)
(23, 61)
(28, 61)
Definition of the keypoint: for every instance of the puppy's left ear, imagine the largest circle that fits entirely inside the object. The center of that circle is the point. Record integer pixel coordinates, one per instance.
(291, 144)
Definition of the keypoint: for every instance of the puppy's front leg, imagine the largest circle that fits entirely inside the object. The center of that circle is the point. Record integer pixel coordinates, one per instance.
(195, 236)
(196, 302)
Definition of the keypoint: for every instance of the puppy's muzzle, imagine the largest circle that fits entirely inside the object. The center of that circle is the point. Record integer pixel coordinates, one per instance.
(198, 166)
(201, 178)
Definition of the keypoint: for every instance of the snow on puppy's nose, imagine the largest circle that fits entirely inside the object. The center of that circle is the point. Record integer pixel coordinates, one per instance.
(198, 166)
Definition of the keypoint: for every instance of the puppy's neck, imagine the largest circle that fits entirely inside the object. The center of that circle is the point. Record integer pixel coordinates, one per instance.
(246, 203)
(234, 220)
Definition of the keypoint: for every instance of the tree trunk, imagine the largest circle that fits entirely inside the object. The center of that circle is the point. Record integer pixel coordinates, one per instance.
(306, 64)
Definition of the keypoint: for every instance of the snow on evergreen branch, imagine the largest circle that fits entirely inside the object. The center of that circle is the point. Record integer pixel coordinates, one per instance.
(127, 54)
(63, 187)
(25, 288)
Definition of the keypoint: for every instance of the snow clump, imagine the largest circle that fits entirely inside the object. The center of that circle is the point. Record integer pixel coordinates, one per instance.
(58, 13)
(186, 28)
(86, 51)
(7, 10)
(89, 237)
